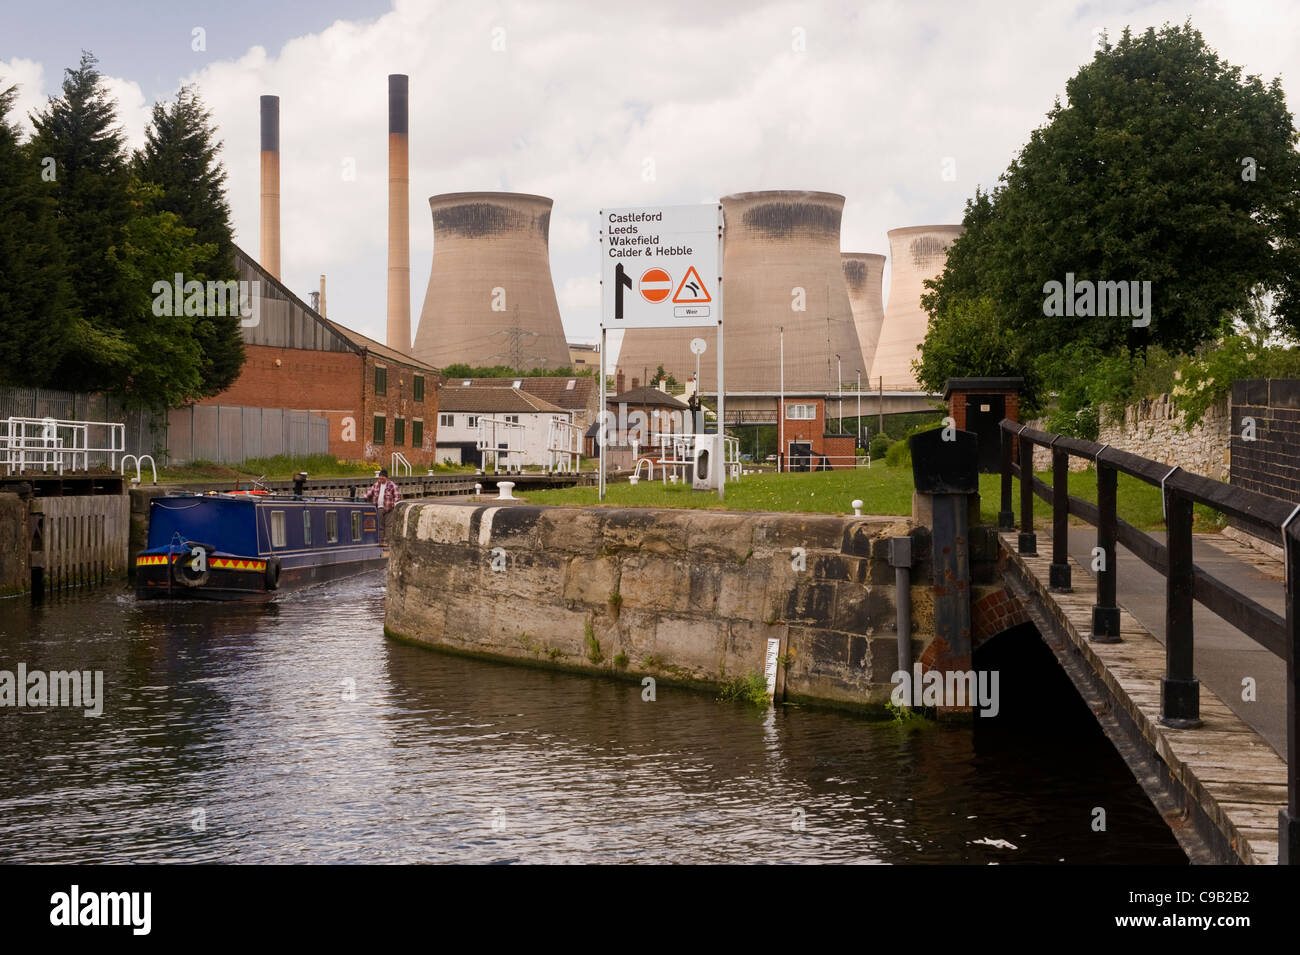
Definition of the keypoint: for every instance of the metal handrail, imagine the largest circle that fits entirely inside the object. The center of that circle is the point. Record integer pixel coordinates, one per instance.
(398, 462)
(139, 459)
(1185, 582)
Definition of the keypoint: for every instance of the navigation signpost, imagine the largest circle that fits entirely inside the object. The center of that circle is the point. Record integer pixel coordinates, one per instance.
(661, 267)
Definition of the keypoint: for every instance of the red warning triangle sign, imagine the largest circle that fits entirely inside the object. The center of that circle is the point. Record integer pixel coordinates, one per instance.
(692, 290)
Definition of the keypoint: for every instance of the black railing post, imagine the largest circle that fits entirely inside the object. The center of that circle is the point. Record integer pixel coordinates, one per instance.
(1058, 574)
(1028, 542)
(1180, 691)
(1006, 517)
(1105, 612)
(1288, 842)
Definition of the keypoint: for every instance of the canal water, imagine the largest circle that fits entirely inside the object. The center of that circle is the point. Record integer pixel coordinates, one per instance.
(296, 732)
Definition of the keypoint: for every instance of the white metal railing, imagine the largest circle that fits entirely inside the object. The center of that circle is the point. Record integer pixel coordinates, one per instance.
(650, 470)
(677, 454)
(399, 465)
(563, 445)
(57, 444)
(813, 461)
(498, 437)
(139, 459)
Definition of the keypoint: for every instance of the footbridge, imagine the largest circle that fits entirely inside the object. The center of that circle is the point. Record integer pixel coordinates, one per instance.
(1183, 645)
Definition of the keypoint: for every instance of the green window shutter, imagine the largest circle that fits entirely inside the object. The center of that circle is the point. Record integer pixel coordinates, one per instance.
(379, 429)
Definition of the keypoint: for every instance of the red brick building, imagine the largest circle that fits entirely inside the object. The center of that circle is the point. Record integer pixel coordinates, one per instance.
(808, 445)
(376, 399)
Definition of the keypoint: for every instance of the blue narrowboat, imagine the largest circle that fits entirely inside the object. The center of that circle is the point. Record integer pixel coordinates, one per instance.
(248, 546)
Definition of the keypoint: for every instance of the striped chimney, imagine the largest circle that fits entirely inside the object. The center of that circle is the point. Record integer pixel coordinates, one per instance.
(399, 222)
(270, 239)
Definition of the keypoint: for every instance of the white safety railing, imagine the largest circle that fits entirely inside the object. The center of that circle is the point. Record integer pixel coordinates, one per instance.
(636, 471)
(139, 460)
(814, 461)
(563, 445)
(498, 437)
(53, 444)
(399, 466)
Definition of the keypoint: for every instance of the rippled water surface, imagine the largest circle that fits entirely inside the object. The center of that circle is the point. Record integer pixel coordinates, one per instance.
(226, 736)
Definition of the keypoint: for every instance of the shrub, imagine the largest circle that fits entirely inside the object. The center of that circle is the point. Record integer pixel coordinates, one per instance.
(880, 444)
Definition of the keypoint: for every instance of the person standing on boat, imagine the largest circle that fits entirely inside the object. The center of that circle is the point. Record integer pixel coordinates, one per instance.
(385, 494)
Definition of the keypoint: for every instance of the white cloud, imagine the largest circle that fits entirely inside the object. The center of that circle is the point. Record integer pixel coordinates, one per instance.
(29, 77)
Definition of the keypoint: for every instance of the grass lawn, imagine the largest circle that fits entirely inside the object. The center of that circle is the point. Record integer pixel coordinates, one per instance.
(280, 468)
(882, 489)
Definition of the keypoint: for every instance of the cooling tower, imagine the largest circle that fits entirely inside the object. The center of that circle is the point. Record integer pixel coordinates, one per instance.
(399, 220)
(490, 299)
(863, 274)
(916, 253)
(781, 267)
(269, 248)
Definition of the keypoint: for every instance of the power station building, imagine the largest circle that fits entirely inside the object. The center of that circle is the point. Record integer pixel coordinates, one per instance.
(916, 253)
(490, 299)
(864, 274)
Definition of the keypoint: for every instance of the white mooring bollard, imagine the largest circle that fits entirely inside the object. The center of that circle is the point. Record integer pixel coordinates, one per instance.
(505, 487)
(857, 508)
(478, 490)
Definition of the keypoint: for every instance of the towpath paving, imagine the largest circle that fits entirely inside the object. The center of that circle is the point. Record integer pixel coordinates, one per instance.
(1224, 656)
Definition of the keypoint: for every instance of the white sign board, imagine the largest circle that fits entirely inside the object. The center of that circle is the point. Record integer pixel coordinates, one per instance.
(660, 267)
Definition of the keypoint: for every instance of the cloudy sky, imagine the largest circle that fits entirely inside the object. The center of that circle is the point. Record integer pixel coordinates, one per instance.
(603, 104)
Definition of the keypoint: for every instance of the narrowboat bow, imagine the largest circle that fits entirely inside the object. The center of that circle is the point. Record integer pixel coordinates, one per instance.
(248, 547)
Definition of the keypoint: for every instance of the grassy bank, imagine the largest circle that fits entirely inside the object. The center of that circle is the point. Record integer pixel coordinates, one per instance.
(279, 468)
(883, 490)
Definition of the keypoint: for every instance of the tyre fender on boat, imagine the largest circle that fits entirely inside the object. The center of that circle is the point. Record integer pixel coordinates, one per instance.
(190, 569)
(272, 573)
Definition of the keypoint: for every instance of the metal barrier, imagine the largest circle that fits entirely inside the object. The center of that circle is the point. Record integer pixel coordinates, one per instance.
(58, 445)
(490, 433)
(563, 445)
(398, 463)
(1267, 517)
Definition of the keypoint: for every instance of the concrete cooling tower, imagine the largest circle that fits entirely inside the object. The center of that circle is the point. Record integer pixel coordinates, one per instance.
(916, 253)
(490, 299)
(781, 267)
(864, 273)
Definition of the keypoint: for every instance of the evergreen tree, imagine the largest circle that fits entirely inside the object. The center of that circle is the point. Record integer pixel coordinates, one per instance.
(180, 155)
(78, 138)
(36, 318)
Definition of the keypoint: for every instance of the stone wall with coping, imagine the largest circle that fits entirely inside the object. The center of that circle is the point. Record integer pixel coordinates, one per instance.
(1153, 429)
(686, 596)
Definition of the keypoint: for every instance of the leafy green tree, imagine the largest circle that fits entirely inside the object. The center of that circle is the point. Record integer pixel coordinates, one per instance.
(37, 321)
(1166, 165)
(78, 138)
(180, 155)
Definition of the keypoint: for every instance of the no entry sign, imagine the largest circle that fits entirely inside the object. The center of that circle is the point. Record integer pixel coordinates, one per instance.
(660, 267)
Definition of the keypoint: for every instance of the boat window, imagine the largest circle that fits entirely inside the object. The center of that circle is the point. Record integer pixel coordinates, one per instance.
(306, 528)
(356, 525)
(277, 528)
(332, 527)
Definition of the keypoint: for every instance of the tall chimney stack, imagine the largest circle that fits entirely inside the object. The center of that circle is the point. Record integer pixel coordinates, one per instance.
(270, 247)
(399, 224)
(321, 310)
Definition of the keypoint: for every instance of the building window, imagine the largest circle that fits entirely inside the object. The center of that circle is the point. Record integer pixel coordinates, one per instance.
(471, 421)
(513, 418)
(380, 429)
(381, 380)
(446, 421)
(356, 525)
(399, 431)
(417, 388)
(306, 528)
(277, 528)
(332, 527)
(800, 412)
(573, 382)
(417, 433)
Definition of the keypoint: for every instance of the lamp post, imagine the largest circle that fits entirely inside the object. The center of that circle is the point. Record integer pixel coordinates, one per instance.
(839, 391)
(858, 440)
(780, 409)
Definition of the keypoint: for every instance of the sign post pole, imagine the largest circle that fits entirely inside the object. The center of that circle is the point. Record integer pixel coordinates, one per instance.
(722, 429)
(600, 417)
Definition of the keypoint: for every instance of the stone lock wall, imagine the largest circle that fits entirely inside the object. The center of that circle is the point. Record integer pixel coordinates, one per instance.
(689, 597)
